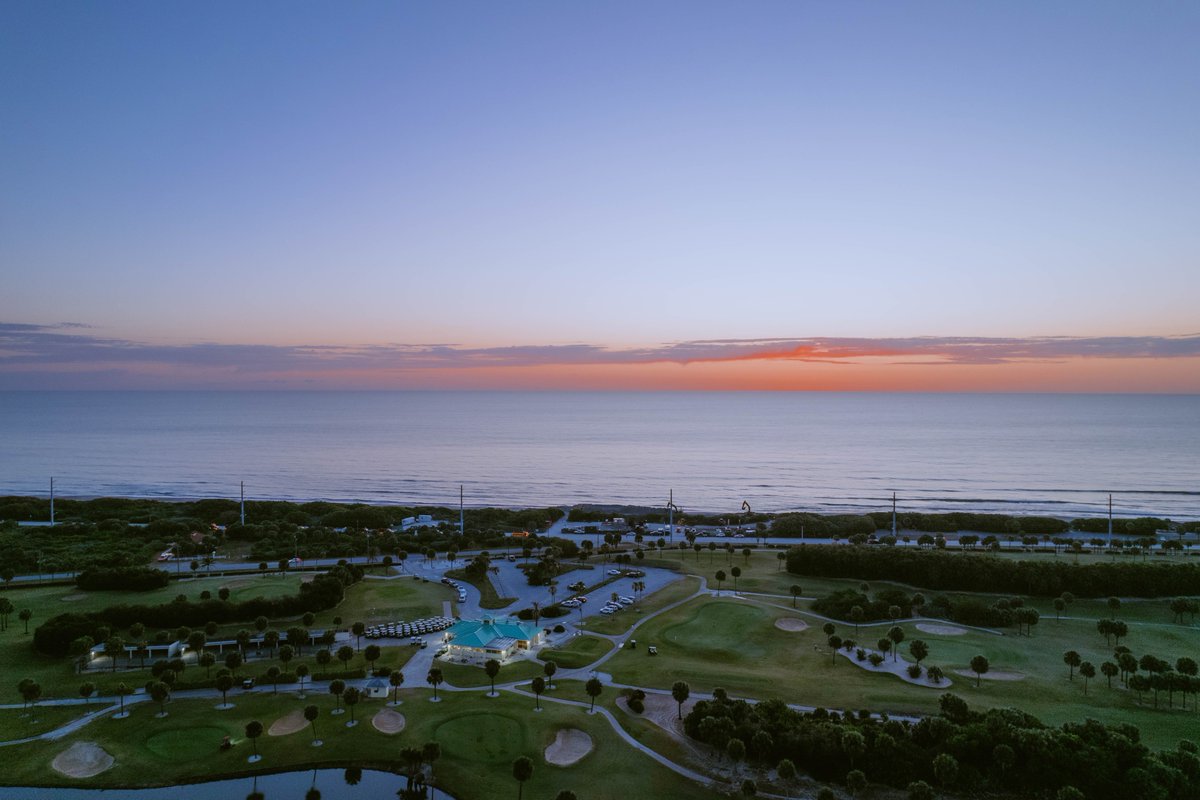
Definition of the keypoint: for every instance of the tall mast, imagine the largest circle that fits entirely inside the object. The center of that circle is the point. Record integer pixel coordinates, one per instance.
(1110, 519)
(462, 526)
(51, 501)
(242, 503)
(893, 515)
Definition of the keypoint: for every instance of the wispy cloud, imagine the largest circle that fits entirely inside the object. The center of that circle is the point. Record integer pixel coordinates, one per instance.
(27, 349)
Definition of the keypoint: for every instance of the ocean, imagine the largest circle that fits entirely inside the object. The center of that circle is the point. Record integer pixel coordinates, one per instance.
(834, 453)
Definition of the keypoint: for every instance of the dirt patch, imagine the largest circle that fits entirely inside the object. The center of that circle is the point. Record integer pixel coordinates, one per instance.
(71, 598)
(569, 747)
(994, 675)
(792, 624)
(388, 721)
(292, 723)
(941, 630)
(82, 760)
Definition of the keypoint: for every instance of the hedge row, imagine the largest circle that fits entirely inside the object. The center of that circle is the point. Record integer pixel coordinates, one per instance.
(128, 579)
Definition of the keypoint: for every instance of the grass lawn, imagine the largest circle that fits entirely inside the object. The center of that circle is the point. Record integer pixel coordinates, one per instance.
(733, 643)
(18, 724)
(579, 652)
(368, 601)
(469, 675)
(620, 622)
(479, 737)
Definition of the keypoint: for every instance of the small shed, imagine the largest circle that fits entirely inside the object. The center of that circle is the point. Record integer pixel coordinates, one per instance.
(377, 688)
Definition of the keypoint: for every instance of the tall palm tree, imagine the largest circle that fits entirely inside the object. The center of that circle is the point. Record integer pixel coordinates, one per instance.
(522, 770)
(550, 667)
(492, 668)
(681, 691)
(593, 687)
(351, 697)
(311, 713)
(538, 685)
(434, 678)
(254, 729)
(396, 678)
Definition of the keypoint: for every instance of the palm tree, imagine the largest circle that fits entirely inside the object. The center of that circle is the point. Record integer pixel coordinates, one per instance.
(786, 771)
(796, 592)
(835, 644)
(720, 576)
(25, 615)
(336, 687)
(896, 634)
(434, 678)
(224, 684)
(160, 693)
(856, 616)
(254, 729)
(979, 665)
(311, 713)
(550, 668)
(358, 629)
(396, 678)
(736, 572)
(122, 690)
(492, 668)
(1072, 660)
(301, 675)
(207, 660)
(566, 794)
(113, 647)
(1110, 670)
(351, 697)
(86, 690)
(593, 687)
(1088, 671)
(522, 770)
(680, 691)
(345, 654)
(273, 677)
(538, 685)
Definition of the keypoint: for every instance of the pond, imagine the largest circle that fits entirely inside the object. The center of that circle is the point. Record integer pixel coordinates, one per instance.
(332, 783)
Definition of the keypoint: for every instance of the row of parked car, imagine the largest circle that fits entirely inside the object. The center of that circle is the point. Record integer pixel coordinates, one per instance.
(458, 587)
(398, 630)
(613, 606)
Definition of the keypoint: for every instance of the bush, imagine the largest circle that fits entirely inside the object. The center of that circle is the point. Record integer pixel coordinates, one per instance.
(128, 579)
(559, 629)
(914, 671)
(635, 705)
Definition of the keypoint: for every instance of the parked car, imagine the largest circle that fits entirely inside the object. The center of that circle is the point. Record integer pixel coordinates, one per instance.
(614, 572)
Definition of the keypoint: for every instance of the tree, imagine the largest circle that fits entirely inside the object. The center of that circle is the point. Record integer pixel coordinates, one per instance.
(550, 668)
(160, 693)
(371, 654)
(945, 769)
(835, 643)
(856, 781)
(720, 576)
(254, 729)
(434, 678)
(736, 749)
(324, 657)
(522, 770)
(1072, 660)
(749, 788)
(593, 687)
(567, 794)
(273, 677)
(358, 629)
(918, 650)
(113, 647)
(122, 690)
(336, 687)
(1114, 605)
(884, 645)
(345, 654)
(1088, 671)
(856, 616)
(86, 690)
(396, 679)
(538, 685)
(492, 668)
(25, 615)
(311, 713)
(207, 660)
(1069, 793)
(1110, 671)
(896, 634)
(980, 666)
(232, 662)
(680, 691)
(736, 572)
(1060, 605)
(786, 770)
(350, 697)
(920, 790)
(224, 684)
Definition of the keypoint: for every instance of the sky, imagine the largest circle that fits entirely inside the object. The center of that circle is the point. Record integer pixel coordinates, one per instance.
(922, 196)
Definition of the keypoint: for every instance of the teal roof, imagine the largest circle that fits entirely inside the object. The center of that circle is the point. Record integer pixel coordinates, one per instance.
(483, 632)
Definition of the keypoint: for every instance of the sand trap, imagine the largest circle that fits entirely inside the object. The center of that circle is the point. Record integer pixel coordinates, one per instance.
(82, 760)
(388, 721)
(941, 630)
(662, 710)
(792, 624)
(569, 747)
(993, 675)
(292, 723)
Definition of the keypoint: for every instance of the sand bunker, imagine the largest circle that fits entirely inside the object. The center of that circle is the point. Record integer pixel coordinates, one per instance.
(570, 746)
(941, 630)
(82, 760)
(292, 723)
(994, 675)
(388, 721)
(793, 624)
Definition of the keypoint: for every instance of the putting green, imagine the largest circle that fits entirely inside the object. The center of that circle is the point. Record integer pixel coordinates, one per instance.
(181, 742)
(720, 630)
(484, 737)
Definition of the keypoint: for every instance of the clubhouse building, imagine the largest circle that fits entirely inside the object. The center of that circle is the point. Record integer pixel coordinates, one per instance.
(491, 638)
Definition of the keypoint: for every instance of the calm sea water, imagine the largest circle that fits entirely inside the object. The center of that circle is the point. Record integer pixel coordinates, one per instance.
(1051, 454)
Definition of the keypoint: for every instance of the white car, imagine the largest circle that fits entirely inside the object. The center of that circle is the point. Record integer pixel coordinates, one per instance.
(614, 572)
(606, 611)
(625, 601)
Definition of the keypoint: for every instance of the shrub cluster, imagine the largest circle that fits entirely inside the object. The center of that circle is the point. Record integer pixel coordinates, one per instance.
(937, 569)
(129, 579)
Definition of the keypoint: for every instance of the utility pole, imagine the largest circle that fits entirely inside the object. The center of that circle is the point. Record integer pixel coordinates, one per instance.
(51, 501)
(462, 526)
(671, 515)
(893, 515)
(1110, 520)
(243, 503)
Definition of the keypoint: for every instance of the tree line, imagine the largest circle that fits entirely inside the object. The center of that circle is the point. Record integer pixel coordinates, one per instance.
(934, 569)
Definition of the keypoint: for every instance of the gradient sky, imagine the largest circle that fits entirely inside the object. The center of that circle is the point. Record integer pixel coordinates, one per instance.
(799, 195)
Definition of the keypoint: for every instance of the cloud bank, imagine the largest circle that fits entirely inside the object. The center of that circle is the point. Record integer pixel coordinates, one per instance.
(47, 356)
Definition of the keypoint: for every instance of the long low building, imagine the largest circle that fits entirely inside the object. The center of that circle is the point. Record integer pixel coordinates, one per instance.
(493, 637)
